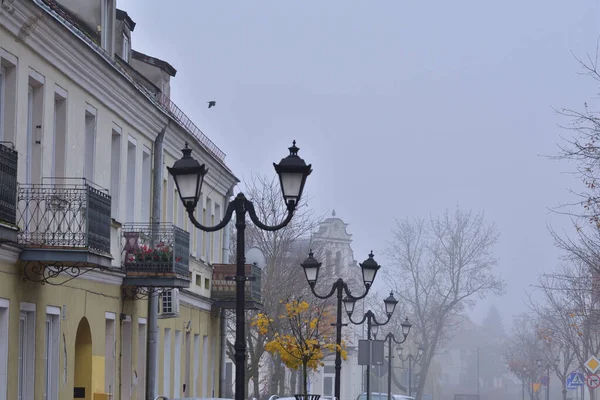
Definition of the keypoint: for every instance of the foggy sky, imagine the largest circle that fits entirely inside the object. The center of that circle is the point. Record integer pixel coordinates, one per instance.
(404, 108)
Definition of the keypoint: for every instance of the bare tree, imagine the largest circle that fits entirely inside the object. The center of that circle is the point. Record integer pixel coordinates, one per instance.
(523, 350)
(440, 268)
(283, 250)
(583, 147)
(568, 308)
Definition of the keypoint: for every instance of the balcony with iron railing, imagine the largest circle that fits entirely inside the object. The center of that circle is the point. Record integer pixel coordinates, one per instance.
(8, 192)
(64, 224)
(224, 286)
(155, 255)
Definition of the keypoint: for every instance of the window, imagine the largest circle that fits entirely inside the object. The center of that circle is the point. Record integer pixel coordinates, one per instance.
(199, 232)
(328, 386)
(109, 353)
(146, 184)
(115, 171)
(170, 198)
(196, 364)
(198, 280)
(177, 366)
(26, 351)
(204, 366)
(4, 304)
(167, 363)
(8, 96)
(167, 301)
(35, 114)
(217, 235)
(188, 359)
(207, 222)
(141, 360)
(131, 182)
(179, 213)
(126, 357)
(59, 133)
(2, 74)
(51, 365)
(125, 50)
(89, 143)
(206, 283)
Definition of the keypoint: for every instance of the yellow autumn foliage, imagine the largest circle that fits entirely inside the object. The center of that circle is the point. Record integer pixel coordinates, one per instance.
(306, 338)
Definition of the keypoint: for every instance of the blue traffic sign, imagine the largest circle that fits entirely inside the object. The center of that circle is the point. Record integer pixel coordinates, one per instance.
(575, 380)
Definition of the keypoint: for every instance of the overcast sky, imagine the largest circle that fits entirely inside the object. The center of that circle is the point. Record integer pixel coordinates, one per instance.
(404, 108)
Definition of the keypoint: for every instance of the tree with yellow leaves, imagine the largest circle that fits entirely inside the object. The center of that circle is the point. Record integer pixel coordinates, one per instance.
(307, 339)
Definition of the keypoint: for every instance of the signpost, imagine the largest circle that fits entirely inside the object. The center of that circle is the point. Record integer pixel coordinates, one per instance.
(593, 381)
(575, 380)
(592, 364)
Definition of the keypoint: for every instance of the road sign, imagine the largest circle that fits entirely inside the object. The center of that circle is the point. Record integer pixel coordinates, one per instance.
(593, 381)
(575, 380)
(592, 364)
(370, 351)
(536, 387)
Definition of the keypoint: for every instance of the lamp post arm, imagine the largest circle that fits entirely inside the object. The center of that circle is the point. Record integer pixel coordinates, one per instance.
(381, 323)
(355, 298)
(226, 218)
(405, 359)
(392, 337)
(364, 318)
(250, 208)
(334, 287)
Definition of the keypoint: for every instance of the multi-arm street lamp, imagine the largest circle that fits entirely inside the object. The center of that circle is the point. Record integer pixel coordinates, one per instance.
(540, 365)
(390, 305)
(410, 358)
(311, 269)
(391, 338)
(188, 175)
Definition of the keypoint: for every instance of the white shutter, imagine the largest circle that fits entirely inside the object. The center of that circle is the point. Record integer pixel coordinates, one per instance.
(175, 301)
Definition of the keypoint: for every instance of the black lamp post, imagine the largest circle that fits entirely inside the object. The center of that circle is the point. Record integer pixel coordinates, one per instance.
(311, 269)
(188, 175)
(549, 364)
(523, 382)
(390, 305)
(410, 359)
(390, 337)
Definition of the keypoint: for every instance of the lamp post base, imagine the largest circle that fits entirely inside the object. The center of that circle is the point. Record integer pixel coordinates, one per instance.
(307, 396)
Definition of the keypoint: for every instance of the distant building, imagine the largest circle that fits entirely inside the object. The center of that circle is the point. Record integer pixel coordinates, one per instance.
(335, 247)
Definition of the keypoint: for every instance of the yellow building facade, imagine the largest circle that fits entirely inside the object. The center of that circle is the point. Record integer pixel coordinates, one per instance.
(80, 113)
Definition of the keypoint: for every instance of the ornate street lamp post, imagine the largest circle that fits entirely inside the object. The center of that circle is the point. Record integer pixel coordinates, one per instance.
(311, 270)
(390, 305)
(391, 338)
(188, 175)
(554, 364)
(410, 358)
(523, 382)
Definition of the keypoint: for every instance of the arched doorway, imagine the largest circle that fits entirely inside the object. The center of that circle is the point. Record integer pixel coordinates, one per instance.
(83, 361)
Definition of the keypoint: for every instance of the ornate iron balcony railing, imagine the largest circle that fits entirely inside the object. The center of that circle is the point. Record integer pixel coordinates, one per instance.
(8, 184)
(155, 250)
(64, 216)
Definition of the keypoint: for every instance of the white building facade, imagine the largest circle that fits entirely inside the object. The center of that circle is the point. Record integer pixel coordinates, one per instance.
(84, 113)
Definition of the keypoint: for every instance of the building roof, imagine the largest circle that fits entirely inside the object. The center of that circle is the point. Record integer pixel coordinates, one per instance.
(123, 16)
(157, 62)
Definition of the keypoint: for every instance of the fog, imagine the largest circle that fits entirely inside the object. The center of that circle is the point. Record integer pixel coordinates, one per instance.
(403, 108)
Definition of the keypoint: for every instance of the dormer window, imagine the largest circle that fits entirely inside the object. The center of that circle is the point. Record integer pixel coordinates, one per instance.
(125, 49)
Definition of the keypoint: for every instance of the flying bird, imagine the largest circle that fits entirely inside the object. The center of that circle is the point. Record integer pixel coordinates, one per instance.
(212, 104)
